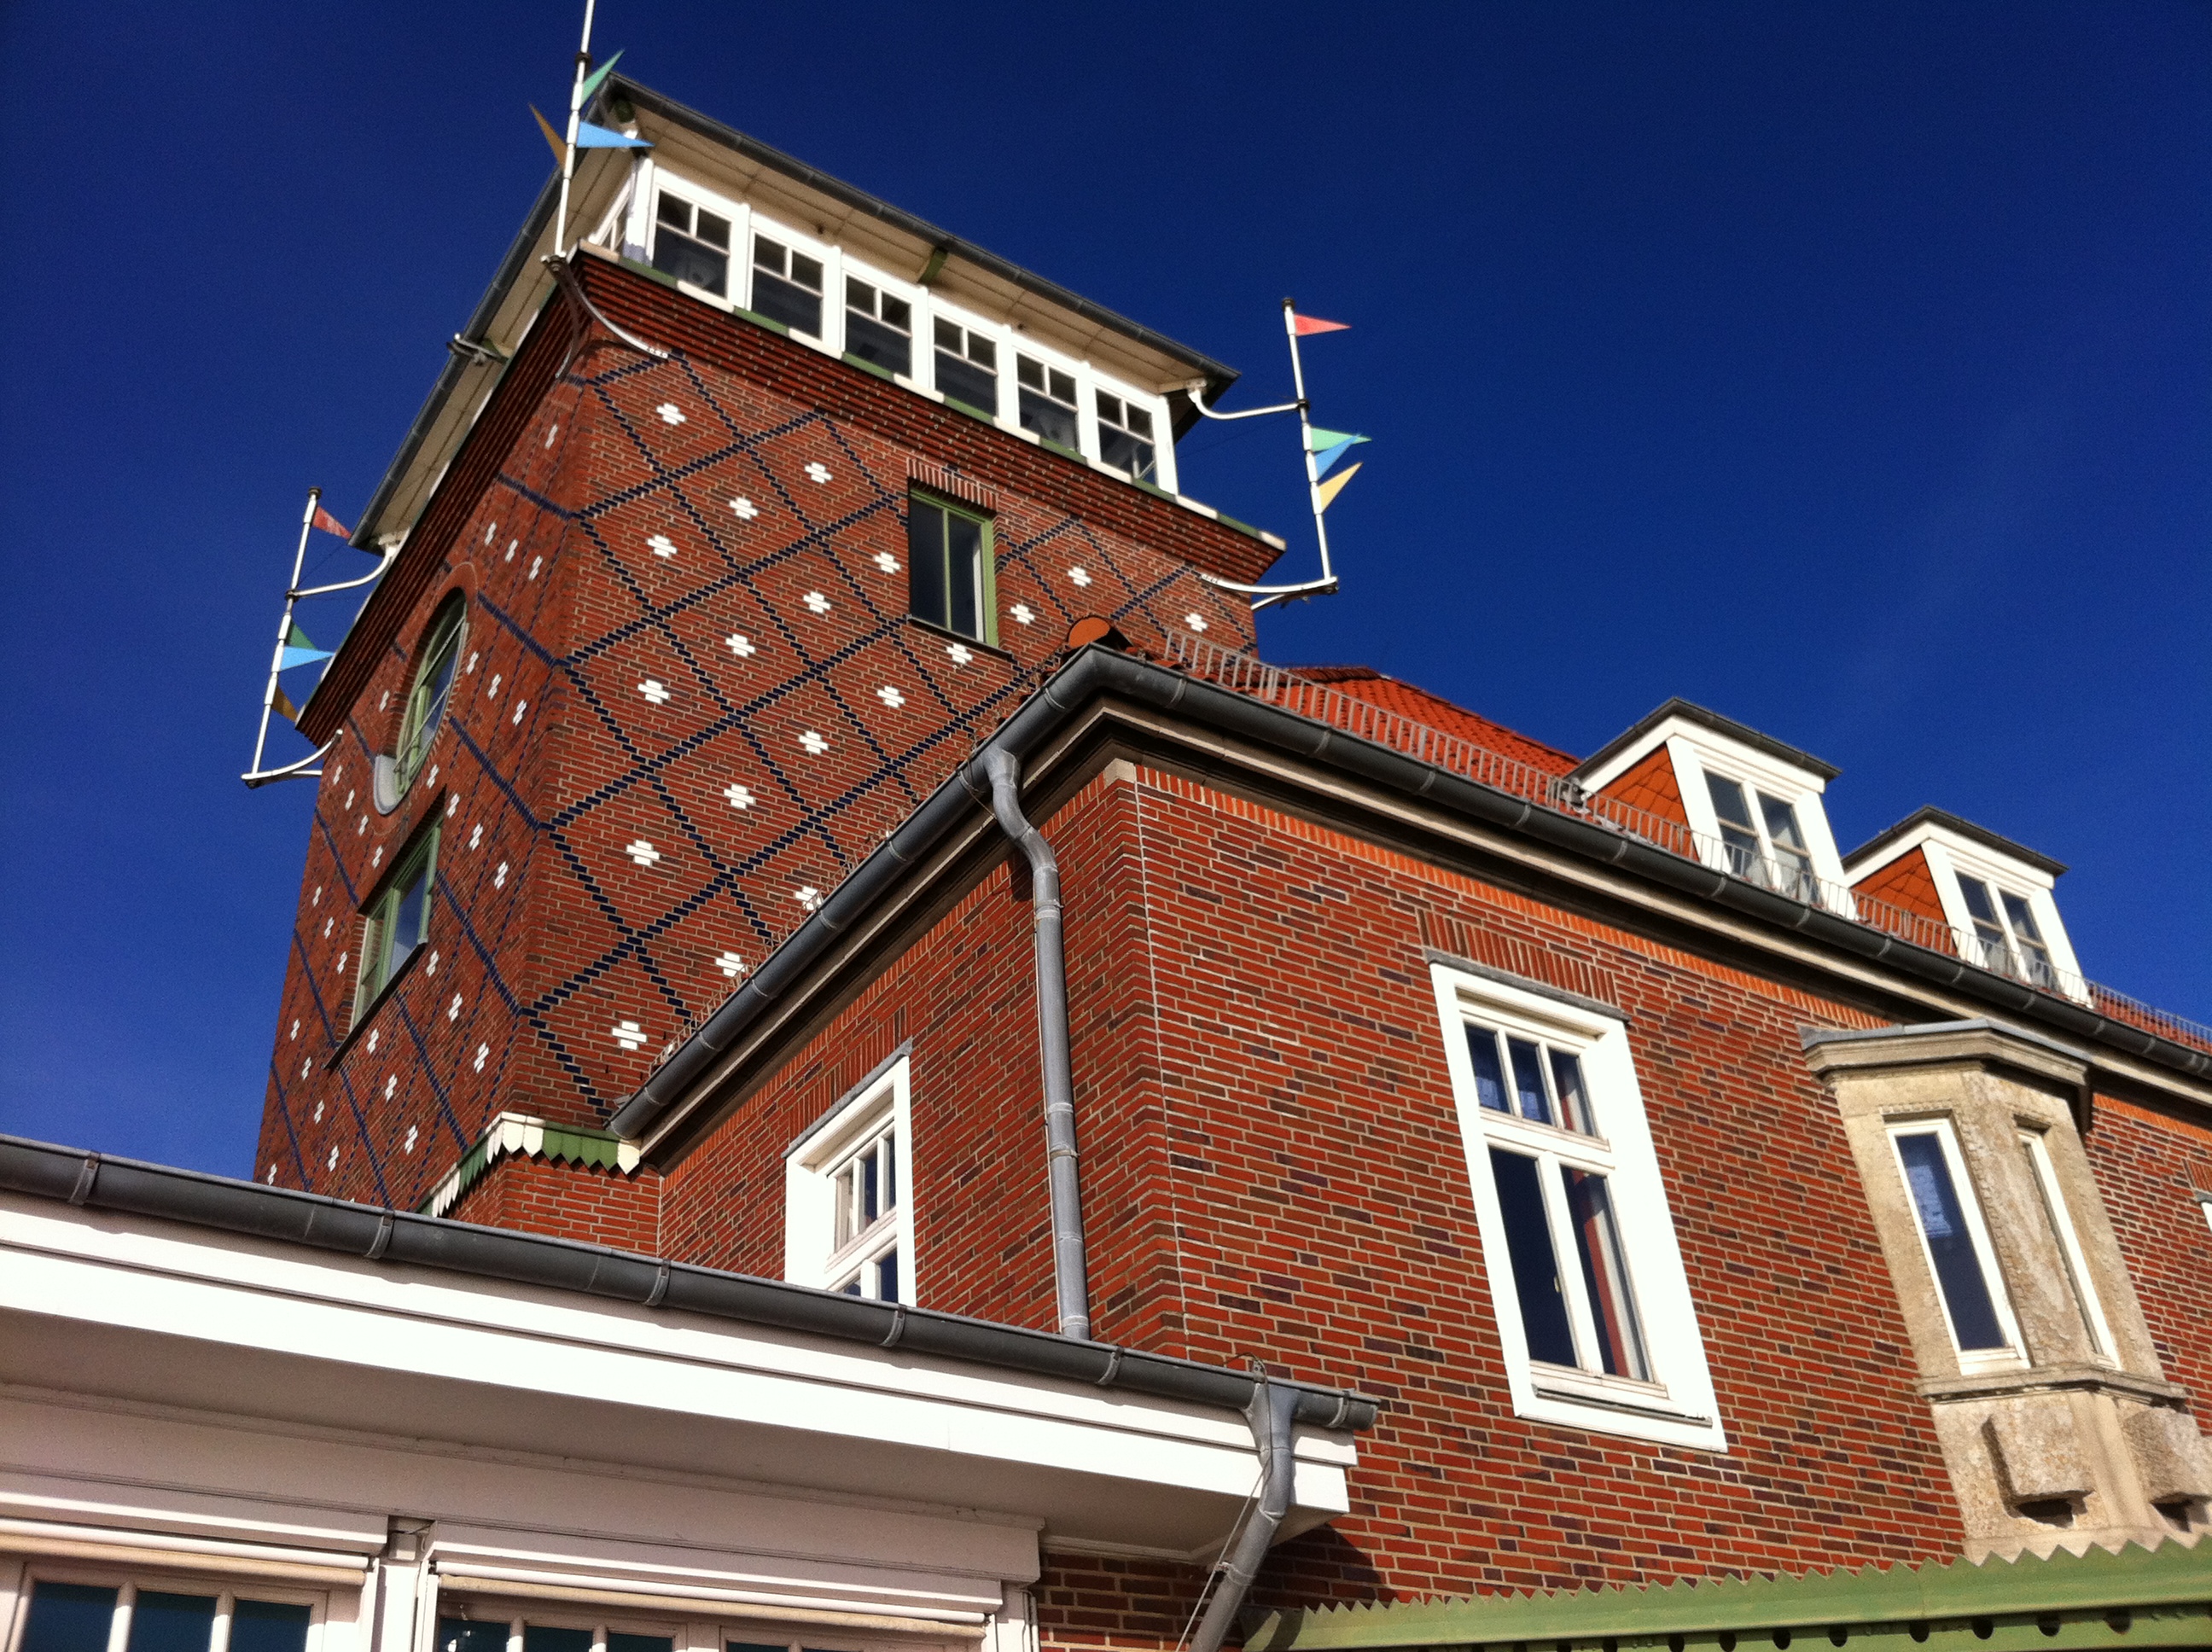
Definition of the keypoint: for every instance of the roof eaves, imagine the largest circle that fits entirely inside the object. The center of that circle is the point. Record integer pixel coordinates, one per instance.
(1929, 815)
(42, 1170)
(1690, 712)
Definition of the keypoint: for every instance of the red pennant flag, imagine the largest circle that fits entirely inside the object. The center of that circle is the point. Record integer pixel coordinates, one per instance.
(1306, 325)
(329, 523)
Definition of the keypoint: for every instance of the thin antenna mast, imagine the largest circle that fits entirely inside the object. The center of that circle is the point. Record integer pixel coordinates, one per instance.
(1265, 596)
(576, 118)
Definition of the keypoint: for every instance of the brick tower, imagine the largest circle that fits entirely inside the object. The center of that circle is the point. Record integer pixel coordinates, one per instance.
(718, 547)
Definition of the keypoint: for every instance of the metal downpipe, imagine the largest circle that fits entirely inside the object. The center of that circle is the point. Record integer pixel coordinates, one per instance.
(1272, 1414)
(1070, 1267)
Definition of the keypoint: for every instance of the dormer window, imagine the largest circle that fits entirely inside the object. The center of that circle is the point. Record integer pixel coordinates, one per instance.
(1125, 438)
(2005, 931)
(967, 367)
(1766, 849)
(692, 244)
(879, 328)
(787, 287)
(1047, 402)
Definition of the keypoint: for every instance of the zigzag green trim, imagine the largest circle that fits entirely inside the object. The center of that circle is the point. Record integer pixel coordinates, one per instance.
(514, 1133)
(2136, 1597)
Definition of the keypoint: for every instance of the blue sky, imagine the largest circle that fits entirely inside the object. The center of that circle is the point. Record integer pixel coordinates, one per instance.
(1845, 369)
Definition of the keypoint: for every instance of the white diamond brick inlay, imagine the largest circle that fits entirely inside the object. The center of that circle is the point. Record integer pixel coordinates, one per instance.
(453, 1009)
(319, 1112)
(655, 690)
(271, 1177)
(741, 644)
(332, 1163)
(377, 859)
(817, 602)
(818, 472)
(431, 779)
(306, 1067)
(342, 956)
(476, 836)
(391, 1087)
(431, 967)
(1024, 614)
(350, 796)
(890, 697)
(513, 545)
(670, 413)
(452, 805)
(1196, 622)
(296, 1029)
(642, 852)
(535, 562)
(731, 965)
(408, 1147)
(812, 744)
(317, 899)
(491, 689)
(499, 878)
(520, 706)
(483, 1050)
(1081, 576)
(661, 546)
(808, 897)
(628, 1034)
(327, 927)
(959, 652)
(375, 1033)
(887, 562)
(741, 797)
(745, 507)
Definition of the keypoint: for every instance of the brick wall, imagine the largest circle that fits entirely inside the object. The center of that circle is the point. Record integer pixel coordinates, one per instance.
(537, 1194)
(690, 701)
(2149, 1166)
(1272, 1168)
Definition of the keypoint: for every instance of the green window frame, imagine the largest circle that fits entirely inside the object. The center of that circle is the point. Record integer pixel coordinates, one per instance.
(439, 663)
(396, 925)
(951, 568)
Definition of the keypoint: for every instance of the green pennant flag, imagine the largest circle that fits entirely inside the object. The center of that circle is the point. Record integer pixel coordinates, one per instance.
(1317, 439)
(591, 81)
(299, 639)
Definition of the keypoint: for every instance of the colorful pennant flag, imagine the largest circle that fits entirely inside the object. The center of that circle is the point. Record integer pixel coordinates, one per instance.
(591, 81)
(1307, 325)
(589, 136)
(329, 523)
(552, 137)
(1330, 445)
(285, 708)
(1325, 496)
(300, 650)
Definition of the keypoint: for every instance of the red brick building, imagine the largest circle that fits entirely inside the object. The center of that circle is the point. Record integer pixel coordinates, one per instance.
(1695, 1196)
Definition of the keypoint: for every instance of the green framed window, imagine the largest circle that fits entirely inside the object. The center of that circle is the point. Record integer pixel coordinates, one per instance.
(438, 661)
(950, 580)
(397, 920)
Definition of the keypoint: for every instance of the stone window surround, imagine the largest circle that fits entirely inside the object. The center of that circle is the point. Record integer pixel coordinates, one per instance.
(2070, 1445)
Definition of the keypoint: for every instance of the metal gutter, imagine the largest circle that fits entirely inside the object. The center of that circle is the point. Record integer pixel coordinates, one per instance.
(1097, 671)
(43, 1171)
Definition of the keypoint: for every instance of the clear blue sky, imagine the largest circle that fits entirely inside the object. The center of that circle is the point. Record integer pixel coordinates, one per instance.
(1843, 368)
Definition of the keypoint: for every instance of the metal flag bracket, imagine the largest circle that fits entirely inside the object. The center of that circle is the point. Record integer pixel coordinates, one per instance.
(1266, 596)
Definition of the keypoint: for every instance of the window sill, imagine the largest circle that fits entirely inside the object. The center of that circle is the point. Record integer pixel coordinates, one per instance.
(1636, 1411)
(383, 993)
(959, 406)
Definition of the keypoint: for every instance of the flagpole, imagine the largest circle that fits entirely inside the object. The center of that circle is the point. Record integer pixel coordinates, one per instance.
(1305, 441)
(284, 626)
(576, 119)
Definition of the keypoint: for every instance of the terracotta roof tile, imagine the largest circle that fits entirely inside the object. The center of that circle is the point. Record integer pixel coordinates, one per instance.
(1364, 682)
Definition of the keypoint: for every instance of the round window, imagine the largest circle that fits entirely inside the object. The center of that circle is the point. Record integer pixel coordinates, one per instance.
(434, 685)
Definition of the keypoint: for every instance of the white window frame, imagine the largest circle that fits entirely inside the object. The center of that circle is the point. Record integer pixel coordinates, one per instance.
(2013, 1355)
(129, 1581)
(916, 299)
(739, 216)
(1950, 861)
(832, 260)
(1003, 339)
(811, 1255)
(2036, 1139)
(1678, 1406)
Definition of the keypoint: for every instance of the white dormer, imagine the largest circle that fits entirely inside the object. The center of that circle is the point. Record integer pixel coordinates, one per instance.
(1997, 895)
(1753, 803)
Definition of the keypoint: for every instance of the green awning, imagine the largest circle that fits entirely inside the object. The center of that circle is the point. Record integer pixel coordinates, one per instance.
(2137, 1598)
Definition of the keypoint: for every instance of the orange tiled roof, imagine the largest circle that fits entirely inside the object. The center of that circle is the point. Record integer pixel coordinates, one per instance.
(1364, 682)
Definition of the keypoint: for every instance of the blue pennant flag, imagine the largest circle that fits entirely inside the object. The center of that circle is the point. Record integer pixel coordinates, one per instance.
(1325, 456)
(589, 136)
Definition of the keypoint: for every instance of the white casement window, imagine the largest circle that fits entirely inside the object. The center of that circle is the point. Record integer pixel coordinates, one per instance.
(73, 1610)
(1762, 839)
(1955, 1243)
(692, 243)
(2037, 1147)
(487, 1628)
(1125, 437)
(1593, 1306)
(848, 1221)
(1047, 399)
(966, 365)
(2006, 938)
(787, 285)
(879, 327)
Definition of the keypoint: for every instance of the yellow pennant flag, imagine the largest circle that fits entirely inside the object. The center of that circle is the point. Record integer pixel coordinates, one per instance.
(552, 138)
(285, 708)
(1325, 496)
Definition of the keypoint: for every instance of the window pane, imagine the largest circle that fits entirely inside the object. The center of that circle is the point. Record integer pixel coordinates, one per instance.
(1605, 1275)
(1958, 1276)
(789, 302)
(806, 272)
(172, 1623)
(69, 1618)
(1062, 388)
(1574, 1100)
(964, 381)
(870, 1209)
(924, 560)
(887, 1152)
(1728, 801)
(411, 915)
(768, 255)
(618, 1641)
(887, 1274)
(673, 211)
(948, 336)
(1489, 1077)
(984, 354)
(1029, 372)
(459, 1634)
(1110, 407)
(873, 342)
(1781, 823)
(538, 1637)
(1044, 417)
(2022, 919)
(1140, 423)
(1535, 1269)
(687, 260)
(898, 312)
(963, 557)
(1977, 899)
(1529, 1081)
(268, 1626)
(714, 231)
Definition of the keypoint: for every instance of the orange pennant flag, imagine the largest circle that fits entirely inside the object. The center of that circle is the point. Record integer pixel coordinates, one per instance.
(1308, 325)
(284, 708)
(552, 138)
(329, 523)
